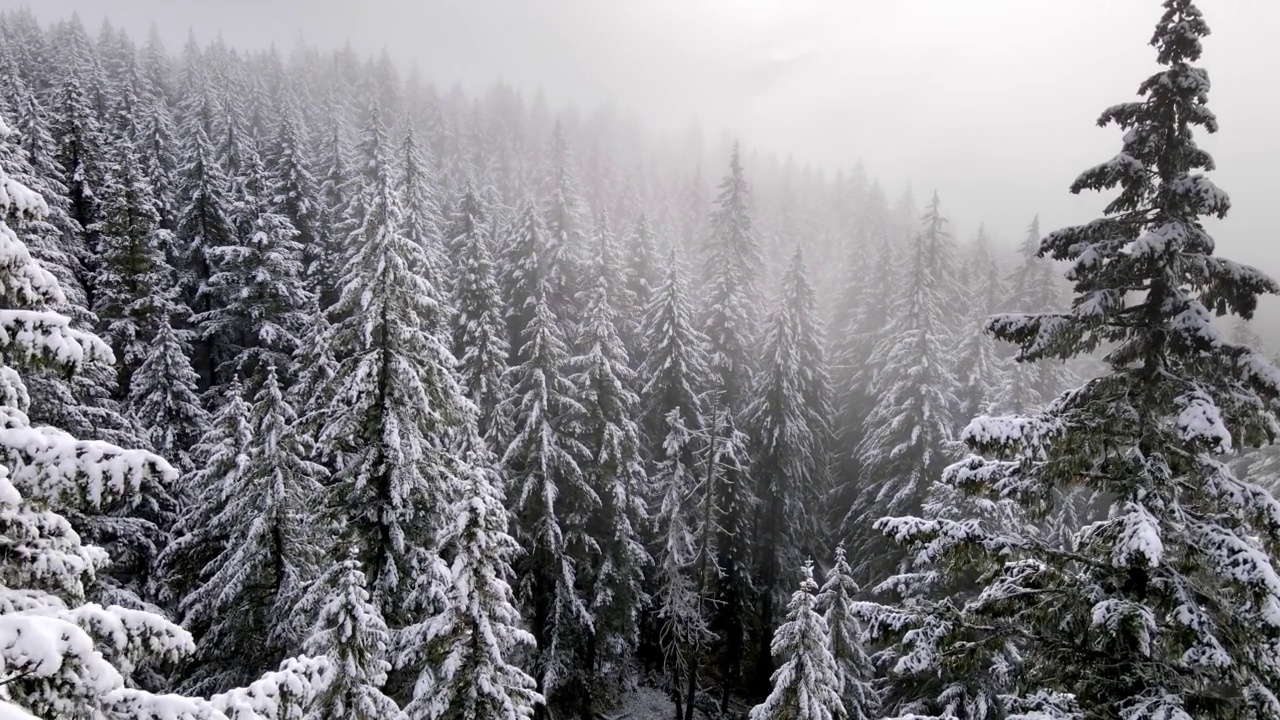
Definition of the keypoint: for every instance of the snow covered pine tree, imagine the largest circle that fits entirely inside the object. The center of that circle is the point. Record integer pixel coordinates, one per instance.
(1170, 606)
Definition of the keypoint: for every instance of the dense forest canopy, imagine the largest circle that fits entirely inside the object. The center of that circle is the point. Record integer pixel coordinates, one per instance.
(331, 395)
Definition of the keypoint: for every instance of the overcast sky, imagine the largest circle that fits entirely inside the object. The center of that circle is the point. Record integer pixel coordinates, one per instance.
(991, 102)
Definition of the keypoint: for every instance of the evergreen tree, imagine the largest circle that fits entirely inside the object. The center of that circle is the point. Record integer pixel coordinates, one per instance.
(978, 369)
(479, 332)
(908, 434)
(552, 499)
(350, 631)
(291, 190)
(613, 467)
(163, 396)
(478, 635)
(325, 269)
(790, 420)
(853, 667)
(258, 303)
(204, 225)
(395, 393)
(64, 657)
(218, 455)
(674, 375)
(78, 135)
(133, 277)
(1033, 288)
(1164, 608)
(269, 549)
(733, 261)
(641, 271)
(806, 685)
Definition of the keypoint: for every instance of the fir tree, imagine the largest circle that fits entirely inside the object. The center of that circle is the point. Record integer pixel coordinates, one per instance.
(789, 416)
(163, 396)
(551, 500)
(205, 224)
(1033, 288)
(733, 261)
(978, 369)
(395, 393)
(853, 666)
(613, 466)
(133, 276)
(478, 635)
(350, 631)
(908, 434)
(807, 684)
(479, 333)
(1165, 607)
(269, 549)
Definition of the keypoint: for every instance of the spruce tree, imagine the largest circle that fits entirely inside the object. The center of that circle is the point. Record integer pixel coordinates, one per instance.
(291, 190)
(478, 635)
(395, 393)
(350, 631)
(613, 467)
(163, 396)
(552, 499)
(978, 370)
(908, 433)
(64, 657)
(133, 278)
(733, 263)
(479, 332)
(1033, 287)
(806, 685)
(853, 667)
(790, 421)
(1166, 607)
(642, 276)
(269, 549)
(674, 376)
(204, 225)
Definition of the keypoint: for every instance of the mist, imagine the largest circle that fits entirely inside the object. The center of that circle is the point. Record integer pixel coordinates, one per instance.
(669, 360)
(990, 102)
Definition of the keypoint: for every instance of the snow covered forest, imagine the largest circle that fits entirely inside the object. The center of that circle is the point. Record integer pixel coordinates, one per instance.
(327, 394)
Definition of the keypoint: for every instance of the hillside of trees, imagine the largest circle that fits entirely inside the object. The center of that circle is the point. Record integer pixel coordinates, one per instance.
(330, 395)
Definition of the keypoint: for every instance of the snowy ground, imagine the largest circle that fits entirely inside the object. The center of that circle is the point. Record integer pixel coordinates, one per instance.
(648, 703)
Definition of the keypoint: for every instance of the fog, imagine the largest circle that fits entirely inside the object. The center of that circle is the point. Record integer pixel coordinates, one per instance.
(991, 102)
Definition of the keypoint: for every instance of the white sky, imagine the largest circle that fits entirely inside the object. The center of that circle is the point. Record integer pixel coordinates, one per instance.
(991, 102)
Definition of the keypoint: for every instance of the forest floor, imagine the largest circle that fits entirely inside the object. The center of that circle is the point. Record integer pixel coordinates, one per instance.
(648, 703)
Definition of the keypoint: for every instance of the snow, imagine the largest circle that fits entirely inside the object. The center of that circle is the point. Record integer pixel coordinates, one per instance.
(1200, 421)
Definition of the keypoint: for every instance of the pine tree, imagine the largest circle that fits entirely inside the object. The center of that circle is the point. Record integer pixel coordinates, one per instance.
(978, 369)
(733, 261)
(132, 276)
(269, 549)
(422, 212)
(806, 685)
(613, 467)
(205, 224)
(551, 500)
(479, 332)
(64, 657)
(478, 635)
(1033, 288)
(1165, 607)
(908, 434)
(350, 631)
(163, 396)
(853, 666)
(790, 420)
(396, 395)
